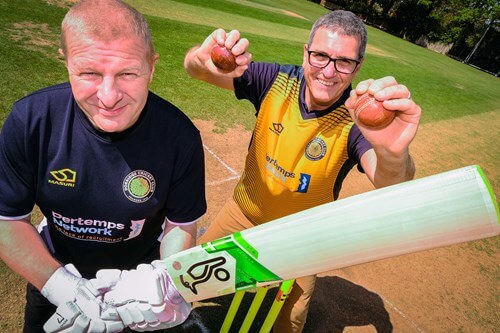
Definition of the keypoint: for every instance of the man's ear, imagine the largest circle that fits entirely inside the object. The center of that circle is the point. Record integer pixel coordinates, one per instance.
(359, 66)
(155, 59)
(305, 55)
(61, 53)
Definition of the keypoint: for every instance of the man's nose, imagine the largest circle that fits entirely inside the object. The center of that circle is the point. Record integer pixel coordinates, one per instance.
(329, 70)
(108, 92)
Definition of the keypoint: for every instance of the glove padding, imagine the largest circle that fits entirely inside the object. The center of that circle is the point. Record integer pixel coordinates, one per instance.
(84, 312)
(62, 285)
(145, 298)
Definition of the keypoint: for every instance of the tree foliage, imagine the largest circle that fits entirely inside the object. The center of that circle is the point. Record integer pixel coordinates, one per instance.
(458, 22)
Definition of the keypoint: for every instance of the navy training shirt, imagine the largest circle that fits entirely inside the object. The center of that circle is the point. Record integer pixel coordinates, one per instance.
(105, 196)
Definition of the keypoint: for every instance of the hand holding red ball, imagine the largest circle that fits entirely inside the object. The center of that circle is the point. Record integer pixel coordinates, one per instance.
(371, 113)
(223, 59)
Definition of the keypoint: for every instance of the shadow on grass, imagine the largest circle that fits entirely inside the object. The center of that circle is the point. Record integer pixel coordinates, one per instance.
(336, 304)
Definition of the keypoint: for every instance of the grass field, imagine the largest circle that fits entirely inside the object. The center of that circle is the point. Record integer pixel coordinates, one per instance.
(461, 104)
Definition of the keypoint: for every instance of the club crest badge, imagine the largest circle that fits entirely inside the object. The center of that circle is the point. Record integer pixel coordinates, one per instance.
(139, 186)
(316, 149)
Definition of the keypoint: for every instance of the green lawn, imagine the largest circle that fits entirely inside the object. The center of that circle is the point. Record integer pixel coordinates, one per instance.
(445, 88)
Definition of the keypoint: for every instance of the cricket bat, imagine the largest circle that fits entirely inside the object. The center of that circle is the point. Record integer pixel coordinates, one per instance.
(440, 210)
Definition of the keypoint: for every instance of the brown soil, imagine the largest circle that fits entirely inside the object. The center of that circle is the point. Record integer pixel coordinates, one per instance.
(451, 289)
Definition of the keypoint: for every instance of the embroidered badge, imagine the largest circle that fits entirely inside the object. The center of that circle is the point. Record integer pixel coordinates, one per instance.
(316, 149)
(139, 186)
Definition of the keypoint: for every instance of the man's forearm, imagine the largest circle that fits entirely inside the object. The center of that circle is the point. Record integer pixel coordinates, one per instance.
(177, 238)
(23, 250)
(393, 169)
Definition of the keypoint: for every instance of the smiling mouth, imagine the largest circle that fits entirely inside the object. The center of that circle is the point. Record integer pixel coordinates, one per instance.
(112, 112)
(326, 83)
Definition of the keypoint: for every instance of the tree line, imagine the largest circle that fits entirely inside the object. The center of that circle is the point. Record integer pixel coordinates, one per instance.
(457, 24)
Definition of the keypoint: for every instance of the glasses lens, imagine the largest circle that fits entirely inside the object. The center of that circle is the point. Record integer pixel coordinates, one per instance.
(318, 59)
(346, 66)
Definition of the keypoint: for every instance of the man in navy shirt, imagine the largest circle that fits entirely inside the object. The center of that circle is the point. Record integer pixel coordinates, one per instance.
(117, 172)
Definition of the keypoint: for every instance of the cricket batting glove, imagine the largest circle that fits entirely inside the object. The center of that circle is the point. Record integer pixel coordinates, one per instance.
(80, 308)
(146, 298)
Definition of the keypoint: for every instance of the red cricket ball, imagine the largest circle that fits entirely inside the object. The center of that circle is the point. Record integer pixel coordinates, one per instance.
(371, 113)
(223, 59)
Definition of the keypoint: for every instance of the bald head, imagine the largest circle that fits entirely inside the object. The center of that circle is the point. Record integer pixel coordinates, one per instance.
(105, 20)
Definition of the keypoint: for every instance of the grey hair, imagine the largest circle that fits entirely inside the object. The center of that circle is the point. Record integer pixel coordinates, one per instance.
(345, 23)
(106, 20)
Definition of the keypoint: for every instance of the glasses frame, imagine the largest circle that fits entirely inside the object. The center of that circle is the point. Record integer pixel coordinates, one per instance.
(330, 59)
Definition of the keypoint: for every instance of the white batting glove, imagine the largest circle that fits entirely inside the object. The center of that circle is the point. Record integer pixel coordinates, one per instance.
(79, 305)
(146, 299)
(62, 285)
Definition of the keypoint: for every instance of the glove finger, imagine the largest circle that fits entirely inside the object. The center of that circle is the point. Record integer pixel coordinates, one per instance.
(105, 279)
(114, 326)
(125, 315)
(80, 325)
(67, 318)
(87, 302)
(163, 313)
(109, 313)
(155, 293)
(96, 326)
(115, 298)
(108, 274)
(181, 312)
(168, 316)
(145, 267)
(85, 287)
(147, 313)
(134, 312)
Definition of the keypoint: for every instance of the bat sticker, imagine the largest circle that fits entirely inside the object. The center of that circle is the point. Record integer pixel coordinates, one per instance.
(210, 268)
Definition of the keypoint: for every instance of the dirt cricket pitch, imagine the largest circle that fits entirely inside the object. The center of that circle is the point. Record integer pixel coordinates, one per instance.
(451, 289)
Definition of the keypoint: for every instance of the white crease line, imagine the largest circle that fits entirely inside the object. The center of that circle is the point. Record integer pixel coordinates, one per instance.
(231, 170)
(412, 323)
(221, 161)
(217, 182)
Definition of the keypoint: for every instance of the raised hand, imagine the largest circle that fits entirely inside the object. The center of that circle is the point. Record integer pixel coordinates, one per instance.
(397, 98)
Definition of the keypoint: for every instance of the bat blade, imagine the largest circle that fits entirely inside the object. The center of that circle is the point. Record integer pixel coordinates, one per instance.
(452, 207)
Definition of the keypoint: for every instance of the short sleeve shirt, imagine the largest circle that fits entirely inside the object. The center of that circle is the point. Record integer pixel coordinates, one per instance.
(297, 158)
(105, 196)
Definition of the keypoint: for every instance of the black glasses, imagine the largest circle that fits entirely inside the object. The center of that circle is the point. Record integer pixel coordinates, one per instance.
(342, 65)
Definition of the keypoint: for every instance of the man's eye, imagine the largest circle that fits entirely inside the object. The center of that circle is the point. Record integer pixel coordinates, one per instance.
(320, 56)
(128, 76)
(88, 75)
(344, 62)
